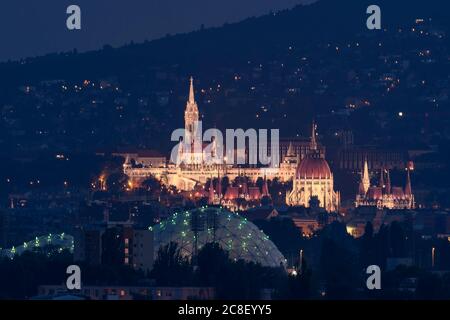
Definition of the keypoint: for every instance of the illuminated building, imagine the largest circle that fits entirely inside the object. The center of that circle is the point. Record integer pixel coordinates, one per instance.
(242, 196)
(313, 179)
(384, 195)
(192, 170)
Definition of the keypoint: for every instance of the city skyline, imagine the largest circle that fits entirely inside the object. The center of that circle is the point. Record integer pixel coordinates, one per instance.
(301, 154)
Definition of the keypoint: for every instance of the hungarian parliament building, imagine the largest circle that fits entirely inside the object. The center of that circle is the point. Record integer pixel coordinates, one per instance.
(384, 195)
(302, 162)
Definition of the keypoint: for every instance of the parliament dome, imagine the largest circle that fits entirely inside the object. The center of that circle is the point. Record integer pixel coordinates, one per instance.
(313, 168)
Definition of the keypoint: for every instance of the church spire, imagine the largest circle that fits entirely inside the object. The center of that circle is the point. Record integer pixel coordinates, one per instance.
(313, 137)
(191, 120)
(388, 182)
(127, 160)
(290, 151)
(191, 104)
(408, 189)
(127, 164)
(191, 91)
(365, 180)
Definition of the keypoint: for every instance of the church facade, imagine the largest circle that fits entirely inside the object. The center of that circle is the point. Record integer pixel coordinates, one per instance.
(191, 168)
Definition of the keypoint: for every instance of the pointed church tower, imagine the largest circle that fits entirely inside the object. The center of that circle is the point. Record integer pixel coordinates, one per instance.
(290, 158)
(290, 151)
(388, 183)
(127, 163)
(408, 189)
(364, 184)
(313, 137)
(191, 91)
(191, 115)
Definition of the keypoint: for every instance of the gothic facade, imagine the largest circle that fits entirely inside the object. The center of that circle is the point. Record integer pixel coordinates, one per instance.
(314, 179)
(384, 195)
(190, 168)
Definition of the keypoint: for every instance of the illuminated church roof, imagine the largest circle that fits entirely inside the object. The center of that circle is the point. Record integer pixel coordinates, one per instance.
(241, 238)
(314, 166)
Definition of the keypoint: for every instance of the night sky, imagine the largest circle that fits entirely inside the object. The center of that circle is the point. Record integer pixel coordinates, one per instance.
(29, 28)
